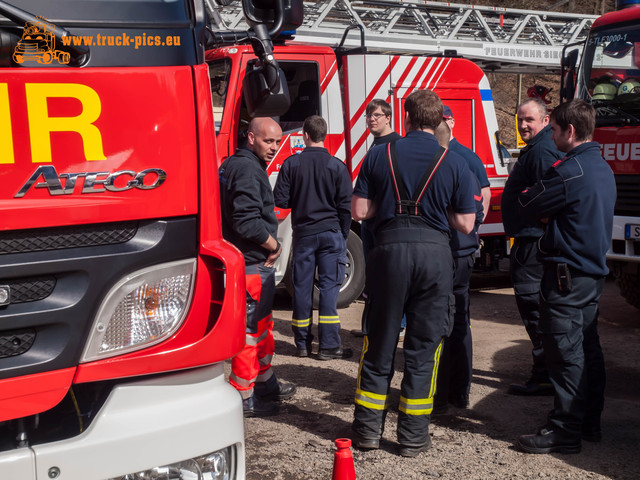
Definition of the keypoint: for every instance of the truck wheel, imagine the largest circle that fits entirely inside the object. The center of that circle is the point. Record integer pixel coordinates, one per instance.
(353, 277)
(46, 58)
(629, 285)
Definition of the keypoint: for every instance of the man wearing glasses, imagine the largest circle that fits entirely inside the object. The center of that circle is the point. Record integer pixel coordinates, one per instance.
(378, 116)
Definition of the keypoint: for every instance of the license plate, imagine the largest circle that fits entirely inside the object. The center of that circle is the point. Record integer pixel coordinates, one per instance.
(632, 231)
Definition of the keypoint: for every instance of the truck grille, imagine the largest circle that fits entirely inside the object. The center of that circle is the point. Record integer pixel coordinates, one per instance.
(39, 240)
(16, 342)
(30, 289)
(628, 201)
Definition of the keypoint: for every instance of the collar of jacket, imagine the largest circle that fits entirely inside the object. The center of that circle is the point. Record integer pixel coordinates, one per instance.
(538, 138)
(245, 152)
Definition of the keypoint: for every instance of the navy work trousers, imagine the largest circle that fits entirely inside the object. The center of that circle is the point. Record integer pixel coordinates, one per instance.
(327, 252)
(526, 275)
(569, 331)
(454, 376)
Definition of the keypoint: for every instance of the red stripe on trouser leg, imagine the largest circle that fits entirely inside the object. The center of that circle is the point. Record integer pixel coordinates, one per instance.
(254, 361)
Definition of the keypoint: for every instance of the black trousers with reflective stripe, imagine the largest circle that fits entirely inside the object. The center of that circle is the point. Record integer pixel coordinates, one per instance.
(408, 271)
(569, 330)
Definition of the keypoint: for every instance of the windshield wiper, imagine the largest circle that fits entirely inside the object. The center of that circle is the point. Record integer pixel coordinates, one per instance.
(79, 53)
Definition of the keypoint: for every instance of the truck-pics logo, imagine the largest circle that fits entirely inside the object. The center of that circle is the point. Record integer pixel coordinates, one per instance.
(38, 43)
(94, 182)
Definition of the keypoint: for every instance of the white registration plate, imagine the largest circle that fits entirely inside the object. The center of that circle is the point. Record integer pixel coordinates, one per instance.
(632, 231)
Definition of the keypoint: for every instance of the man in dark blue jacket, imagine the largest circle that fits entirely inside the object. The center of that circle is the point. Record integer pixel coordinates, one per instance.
(416, 193)
(456, 361)
(317, 188)
(249, 222)
(575, 199)
(526, 271)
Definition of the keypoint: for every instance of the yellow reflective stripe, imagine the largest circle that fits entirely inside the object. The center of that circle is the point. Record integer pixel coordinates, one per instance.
(305, 322)
(328, 319)
(365, 347)
(375, 401)
(434, 374)
(416, 406)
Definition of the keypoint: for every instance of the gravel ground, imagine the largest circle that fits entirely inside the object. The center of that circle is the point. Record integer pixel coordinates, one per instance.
(475, 443)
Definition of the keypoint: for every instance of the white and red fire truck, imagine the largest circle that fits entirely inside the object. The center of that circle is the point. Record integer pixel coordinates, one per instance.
(388, 60)
(609, 78)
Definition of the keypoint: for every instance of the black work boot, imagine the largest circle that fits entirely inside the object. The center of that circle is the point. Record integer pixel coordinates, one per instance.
(548, 440)
(274, 390)
(535, 386)
(254, 407)
(414, 450)
(334, 353)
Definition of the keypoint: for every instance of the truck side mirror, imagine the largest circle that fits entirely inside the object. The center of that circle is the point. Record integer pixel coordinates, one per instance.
(271, 12)
(265, 91)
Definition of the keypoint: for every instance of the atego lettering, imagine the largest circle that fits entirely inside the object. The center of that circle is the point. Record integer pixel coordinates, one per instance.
(93, 182)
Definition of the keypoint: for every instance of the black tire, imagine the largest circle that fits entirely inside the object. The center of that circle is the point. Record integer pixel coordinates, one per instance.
(353, 284)
(629, 285)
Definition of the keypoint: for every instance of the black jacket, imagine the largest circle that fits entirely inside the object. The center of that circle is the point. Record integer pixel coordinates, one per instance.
(577, 195)
(534, 160)
(317, 188)
(246, 198)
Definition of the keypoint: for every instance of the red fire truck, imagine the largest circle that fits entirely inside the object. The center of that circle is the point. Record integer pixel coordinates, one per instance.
(609, 78)
(119, 299)
(338, 84)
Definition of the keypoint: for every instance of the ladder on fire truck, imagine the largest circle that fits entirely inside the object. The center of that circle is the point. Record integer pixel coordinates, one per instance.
(496, 38)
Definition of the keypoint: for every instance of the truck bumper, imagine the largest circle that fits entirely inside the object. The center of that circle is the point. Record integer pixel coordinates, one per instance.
(143, 424)
(623, 249)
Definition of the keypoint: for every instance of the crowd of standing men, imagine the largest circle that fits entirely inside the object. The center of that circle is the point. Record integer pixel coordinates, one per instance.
(421, 198)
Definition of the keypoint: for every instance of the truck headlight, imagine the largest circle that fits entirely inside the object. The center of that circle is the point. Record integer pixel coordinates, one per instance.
(144, 308)
(214, 466)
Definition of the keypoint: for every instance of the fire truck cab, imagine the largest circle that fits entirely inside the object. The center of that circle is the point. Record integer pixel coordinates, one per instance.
(338, 85)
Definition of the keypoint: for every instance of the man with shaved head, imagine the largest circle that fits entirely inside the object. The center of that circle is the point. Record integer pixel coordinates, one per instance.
(249, 222)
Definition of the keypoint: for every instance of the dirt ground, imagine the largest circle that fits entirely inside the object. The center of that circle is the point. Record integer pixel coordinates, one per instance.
(476, 443)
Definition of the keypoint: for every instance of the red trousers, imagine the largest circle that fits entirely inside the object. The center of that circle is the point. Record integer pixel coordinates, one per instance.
(253, 363)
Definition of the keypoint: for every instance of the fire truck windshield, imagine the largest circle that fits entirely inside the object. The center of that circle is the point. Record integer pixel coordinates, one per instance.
(610, 75)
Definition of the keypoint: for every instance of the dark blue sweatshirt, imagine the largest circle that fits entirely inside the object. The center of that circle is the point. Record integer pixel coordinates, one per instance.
(534, 160)
(577, 195)
(246, 198)
(317, 188)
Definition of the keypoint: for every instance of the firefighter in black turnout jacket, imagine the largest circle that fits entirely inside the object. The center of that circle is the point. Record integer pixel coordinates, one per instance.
(575, 199)
(415, 191)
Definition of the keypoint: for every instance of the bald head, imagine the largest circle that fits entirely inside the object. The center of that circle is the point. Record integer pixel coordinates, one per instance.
(263, 139)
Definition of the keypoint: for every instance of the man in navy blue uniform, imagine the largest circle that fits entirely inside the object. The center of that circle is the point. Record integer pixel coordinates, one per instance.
(525, 269)
(456, 362)
(575, 199)
(410, 270)
(317, 188)
(473, 160)
(378, 117)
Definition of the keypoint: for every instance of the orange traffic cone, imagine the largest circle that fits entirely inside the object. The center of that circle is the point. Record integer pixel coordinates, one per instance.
(343, 468)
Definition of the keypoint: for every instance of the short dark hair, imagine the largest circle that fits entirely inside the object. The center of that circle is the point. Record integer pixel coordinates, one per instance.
(316, 127)
(424, 108)
(378, 102)
(578, 113)
(542, 107)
